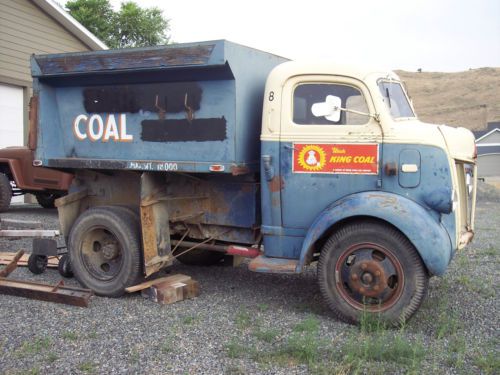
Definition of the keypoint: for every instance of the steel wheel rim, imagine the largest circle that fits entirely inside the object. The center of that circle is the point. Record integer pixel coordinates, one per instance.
(369, 277)
(101, 253)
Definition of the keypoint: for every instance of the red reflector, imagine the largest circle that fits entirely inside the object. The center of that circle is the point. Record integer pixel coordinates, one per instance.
(216, 168)
(248, 252)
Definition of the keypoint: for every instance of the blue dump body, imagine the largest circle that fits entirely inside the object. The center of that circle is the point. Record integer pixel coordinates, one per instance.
(171, 108)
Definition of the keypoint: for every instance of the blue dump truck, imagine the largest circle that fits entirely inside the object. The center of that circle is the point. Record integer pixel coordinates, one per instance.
(199, 151)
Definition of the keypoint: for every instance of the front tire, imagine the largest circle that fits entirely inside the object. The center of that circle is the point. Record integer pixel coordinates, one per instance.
(105, 250)
(370, 267)
(5, 192)
(46, 200)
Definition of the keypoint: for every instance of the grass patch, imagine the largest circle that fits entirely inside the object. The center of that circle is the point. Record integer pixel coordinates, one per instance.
(488, 363)
(33, 347)
(235, 350)
(243, 319)
(263, 307)
(71, 336)
(87, 367)
(267, 335)
(188, 320)
(384, 347)
(456, 352)
(448, 324)
(52, 357)
(308, 325)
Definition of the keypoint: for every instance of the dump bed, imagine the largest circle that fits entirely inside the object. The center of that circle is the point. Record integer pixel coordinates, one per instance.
(185, 107)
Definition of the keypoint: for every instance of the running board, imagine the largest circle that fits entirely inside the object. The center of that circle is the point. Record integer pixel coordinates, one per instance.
(273, 265)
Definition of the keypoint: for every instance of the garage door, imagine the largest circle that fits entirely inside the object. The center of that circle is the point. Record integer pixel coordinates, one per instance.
(11, 116)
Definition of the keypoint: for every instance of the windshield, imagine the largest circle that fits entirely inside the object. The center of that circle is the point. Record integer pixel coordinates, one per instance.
(395, 99)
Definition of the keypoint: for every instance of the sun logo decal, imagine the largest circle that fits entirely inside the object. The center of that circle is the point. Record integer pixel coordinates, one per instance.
(312, 158)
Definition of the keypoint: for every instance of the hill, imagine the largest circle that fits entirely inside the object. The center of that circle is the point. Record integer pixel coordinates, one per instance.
(469, 99)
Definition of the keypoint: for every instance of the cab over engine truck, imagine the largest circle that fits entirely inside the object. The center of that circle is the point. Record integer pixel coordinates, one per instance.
(196, 151)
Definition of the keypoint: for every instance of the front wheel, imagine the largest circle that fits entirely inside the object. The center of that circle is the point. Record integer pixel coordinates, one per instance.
(46, 200)
(370, 267)
(105, 250)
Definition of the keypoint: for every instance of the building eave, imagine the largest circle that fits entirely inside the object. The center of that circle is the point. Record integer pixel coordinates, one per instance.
(72, 25)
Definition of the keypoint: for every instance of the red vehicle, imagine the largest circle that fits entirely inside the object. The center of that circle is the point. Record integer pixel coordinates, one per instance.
(18, 176)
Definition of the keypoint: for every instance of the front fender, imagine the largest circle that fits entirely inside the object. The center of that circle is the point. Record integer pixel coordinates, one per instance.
(424, 230)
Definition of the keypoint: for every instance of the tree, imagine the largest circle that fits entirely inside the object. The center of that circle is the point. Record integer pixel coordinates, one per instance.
(131, 26)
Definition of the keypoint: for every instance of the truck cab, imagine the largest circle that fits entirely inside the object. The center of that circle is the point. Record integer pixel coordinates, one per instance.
(346, 160)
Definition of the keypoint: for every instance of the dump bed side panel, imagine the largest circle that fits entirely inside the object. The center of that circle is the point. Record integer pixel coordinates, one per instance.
(176, 108)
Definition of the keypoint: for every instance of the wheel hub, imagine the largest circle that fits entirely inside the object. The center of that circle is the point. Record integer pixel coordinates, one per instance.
(368, 278)
(110, 251)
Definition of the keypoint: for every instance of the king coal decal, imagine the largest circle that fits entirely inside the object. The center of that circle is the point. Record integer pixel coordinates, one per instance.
(335, 158)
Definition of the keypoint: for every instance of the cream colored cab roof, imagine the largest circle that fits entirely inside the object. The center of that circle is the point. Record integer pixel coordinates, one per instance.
(283, 72)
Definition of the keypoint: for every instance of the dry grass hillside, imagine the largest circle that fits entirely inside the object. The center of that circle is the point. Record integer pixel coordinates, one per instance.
(469, 99)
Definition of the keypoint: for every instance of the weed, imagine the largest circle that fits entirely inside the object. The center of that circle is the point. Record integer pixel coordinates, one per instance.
(134, 356)
(490, 251)
(263, 307)
(308, 325)
(52, 357)
(92, 335)
(68, 335)
(33, 347)
(33, 371)
(267, 335)
(489, 363)
(448, 324)
(188, 320)
(87, 367)
(243, 320)
(456, 351)
(167, 347)
(304, 348)
(235, 350)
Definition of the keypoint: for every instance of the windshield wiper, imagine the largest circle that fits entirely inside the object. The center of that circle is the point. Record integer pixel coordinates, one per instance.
(388, 96)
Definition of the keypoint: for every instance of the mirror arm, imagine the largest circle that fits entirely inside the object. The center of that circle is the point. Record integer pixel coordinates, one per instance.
(376, 116)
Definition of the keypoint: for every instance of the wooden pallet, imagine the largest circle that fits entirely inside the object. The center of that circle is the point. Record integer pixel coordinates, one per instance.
(6, 258)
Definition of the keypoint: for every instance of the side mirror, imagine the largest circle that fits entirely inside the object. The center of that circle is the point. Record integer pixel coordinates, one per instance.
(329, 109)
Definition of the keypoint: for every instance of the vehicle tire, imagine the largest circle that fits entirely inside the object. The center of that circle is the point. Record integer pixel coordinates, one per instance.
(37, 264)
(46, 200)
(105, 250)
(199, 257)
(371, 268)
(5, 192)
(64, 266)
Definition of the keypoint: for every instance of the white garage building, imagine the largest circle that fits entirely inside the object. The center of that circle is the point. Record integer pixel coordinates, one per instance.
(27, 27)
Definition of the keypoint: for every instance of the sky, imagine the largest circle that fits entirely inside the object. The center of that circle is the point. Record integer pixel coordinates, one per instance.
(433, 35)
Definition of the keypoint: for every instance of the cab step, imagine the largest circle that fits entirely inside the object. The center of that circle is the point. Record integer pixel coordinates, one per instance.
(273, 265)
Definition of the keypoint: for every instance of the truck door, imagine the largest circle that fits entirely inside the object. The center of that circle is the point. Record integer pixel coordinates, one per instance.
(323, 160)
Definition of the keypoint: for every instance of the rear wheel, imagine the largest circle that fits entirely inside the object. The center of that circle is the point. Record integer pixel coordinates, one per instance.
(5, 192)
(105, 250)
(370, 267)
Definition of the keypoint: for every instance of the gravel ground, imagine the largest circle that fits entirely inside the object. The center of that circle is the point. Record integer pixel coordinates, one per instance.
(248, 323)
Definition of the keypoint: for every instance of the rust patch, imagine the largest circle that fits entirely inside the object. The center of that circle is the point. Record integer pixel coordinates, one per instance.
(276, 184)
(238, 170)
(272, 265)
(33, 119)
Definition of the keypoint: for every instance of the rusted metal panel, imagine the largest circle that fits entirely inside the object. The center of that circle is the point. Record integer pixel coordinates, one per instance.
(154, 223)
(160, 57)
(273, 265)
(33, 123)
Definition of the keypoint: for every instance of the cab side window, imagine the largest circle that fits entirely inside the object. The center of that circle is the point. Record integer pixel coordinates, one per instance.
(306, 95)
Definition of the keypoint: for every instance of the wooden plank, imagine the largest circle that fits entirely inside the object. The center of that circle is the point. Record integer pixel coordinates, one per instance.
(6, 258)
(50, 293)
(168, 293)
(167, 279)
(29, 233)
(6, 271)
(20, 224)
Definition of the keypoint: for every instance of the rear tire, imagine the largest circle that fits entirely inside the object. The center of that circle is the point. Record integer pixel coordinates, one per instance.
(371, 268)
(105, 250)
(5, 192)
(64, 266)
